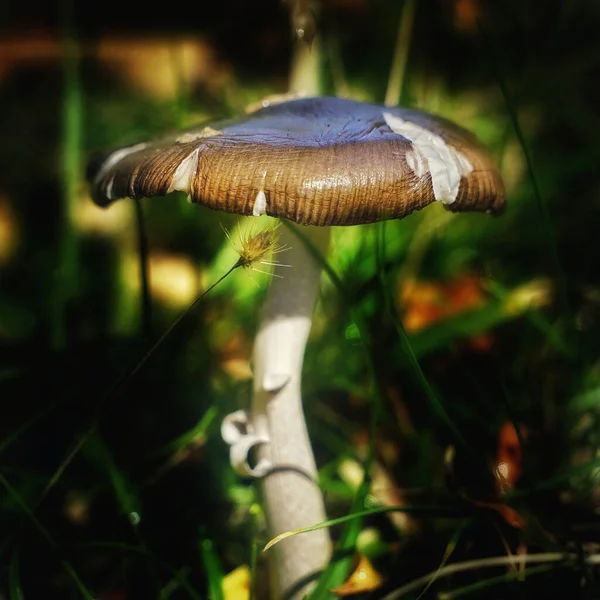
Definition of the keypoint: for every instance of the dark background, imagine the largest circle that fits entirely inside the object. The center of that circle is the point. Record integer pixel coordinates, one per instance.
(133, 510)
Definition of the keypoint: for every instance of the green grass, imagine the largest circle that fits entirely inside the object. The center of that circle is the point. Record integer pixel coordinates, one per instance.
(146, 503)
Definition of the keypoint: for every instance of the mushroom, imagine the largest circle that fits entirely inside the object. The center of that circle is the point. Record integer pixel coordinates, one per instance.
(317, 162)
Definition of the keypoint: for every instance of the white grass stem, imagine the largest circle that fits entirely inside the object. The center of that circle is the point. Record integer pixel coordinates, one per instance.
(486, 563)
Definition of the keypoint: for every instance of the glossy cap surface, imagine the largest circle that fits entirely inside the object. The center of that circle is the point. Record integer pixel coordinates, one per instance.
(315, 161)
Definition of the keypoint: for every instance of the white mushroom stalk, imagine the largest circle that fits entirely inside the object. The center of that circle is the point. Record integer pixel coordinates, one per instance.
(291, 494)
(284, 460)
(321, 162)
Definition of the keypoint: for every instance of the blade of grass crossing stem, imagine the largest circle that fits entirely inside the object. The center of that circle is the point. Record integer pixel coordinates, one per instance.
(426, 510)
(213, 570)
(14, 494)
(14, 579)
(340, 564)
(338, 569)
(66, 280)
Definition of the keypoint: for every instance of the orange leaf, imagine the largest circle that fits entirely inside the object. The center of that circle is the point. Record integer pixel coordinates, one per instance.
(425, 303)
(509, 459)
(364, 579)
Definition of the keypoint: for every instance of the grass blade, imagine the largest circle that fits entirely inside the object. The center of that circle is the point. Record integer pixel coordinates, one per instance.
(213, 569)
(432, 510)
(14, 579)
(492, 581)
(395, 89)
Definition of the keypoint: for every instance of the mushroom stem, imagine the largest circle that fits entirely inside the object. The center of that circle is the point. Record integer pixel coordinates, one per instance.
(290, 492)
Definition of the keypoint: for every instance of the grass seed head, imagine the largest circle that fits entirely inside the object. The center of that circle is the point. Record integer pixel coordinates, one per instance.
(257, 248)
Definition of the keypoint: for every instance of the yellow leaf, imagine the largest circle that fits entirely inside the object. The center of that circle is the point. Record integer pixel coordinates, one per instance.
(236, 585)
(364, 579)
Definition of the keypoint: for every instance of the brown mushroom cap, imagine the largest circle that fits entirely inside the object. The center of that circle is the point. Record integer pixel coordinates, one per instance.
(315, 161)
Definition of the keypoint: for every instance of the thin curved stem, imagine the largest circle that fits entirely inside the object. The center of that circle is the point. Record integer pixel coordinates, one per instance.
(290, 493)
(119, 385)
(482, 563)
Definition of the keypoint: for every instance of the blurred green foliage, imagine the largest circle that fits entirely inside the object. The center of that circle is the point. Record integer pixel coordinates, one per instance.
(508, 309)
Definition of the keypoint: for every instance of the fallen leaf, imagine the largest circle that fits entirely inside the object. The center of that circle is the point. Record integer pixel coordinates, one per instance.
(363, 579)
(509, 458)
(236, 584)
